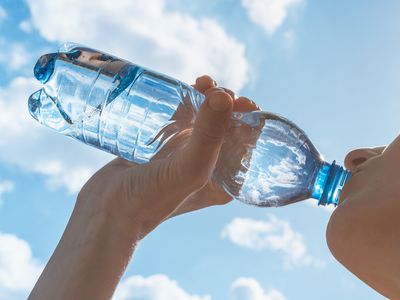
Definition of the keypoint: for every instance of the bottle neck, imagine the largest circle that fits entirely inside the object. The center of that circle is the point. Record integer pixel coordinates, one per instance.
(329, 183)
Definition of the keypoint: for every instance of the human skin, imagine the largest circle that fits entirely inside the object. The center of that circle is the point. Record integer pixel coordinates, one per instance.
(123, 202)
(364, 231)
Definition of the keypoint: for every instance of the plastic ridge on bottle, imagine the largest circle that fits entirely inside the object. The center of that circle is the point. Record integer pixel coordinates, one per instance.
(141, 115)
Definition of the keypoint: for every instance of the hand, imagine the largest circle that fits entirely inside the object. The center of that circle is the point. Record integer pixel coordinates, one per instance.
(147, 194)
(123, 202)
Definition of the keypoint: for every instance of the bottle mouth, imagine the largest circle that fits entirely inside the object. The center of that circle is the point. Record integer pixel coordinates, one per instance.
(44, 67)
(34, 105)
(329, 183)
(46, 110)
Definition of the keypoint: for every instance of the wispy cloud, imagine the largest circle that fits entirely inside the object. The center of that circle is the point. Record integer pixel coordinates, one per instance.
(3, 14)
(155, 287)
(13, 55)
(272, 234)
(19, 270)
(64, 162)
(290, 37)
(172, 42)
(161, 287)
(5, 187)
(325, 208)
(18, 56)
(269, 14)
(245, 288)
(176, 43)
(26, 26)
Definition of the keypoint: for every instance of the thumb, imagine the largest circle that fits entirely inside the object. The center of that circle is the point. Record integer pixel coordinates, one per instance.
(212, 121)
(172, 180)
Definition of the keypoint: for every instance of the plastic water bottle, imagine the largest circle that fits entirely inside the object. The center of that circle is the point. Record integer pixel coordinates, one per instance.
(134, 112)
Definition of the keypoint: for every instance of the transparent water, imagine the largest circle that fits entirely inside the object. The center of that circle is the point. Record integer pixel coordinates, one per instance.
(135, 113)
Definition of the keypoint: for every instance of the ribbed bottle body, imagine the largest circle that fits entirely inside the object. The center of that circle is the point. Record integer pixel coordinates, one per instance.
(112, 104)
(135, 113)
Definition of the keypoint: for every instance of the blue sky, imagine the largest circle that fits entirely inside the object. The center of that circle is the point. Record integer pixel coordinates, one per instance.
(330, 66)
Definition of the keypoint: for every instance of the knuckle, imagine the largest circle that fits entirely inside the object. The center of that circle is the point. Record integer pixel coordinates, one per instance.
(230, 93)
(204, 77)
(204, 82)
(215, 90)
(212, 135)
(209, 134)
(242, 98)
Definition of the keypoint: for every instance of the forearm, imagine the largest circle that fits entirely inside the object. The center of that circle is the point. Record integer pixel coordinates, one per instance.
(89, 259)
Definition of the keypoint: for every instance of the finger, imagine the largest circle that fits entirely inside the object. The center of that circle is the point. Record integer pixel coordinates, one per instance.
(201, 152)
(216, 88)
(190, 168)
(204, 83)
(230, 92)
(212, 90)
(243, 104)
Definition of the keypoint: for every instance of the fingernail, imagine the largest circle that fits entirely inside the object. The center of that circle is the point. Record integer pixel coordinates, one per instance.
(215, 83)
(219, 103)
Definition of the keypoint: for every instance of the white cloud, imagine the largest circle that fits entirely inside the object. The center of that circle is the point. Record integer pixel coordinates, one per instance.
(18, 57)
(245, 288)
(290, 37)
(147, 33)
(172, 42)
(155, 287)
(326, 208)
(273, 234)
(3, 14)
(5, 187)
(269, 14)
(13, 55)
(27, 144)
(19, 270)
(26, 26)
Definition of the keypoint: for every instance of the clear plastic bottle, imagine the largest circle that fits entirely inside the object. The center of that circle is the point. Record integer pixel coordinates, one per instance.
(135, 113)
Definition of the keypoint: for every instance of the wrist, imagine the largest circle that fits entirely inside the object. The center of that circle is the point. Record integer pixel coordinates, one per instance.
(89, 259)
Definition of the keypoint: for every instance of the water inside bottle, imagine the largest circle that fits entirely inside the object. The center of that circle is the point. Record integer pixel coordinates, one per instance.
(267, 161)
(133, 112)
(110, 103)
(59, 103)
